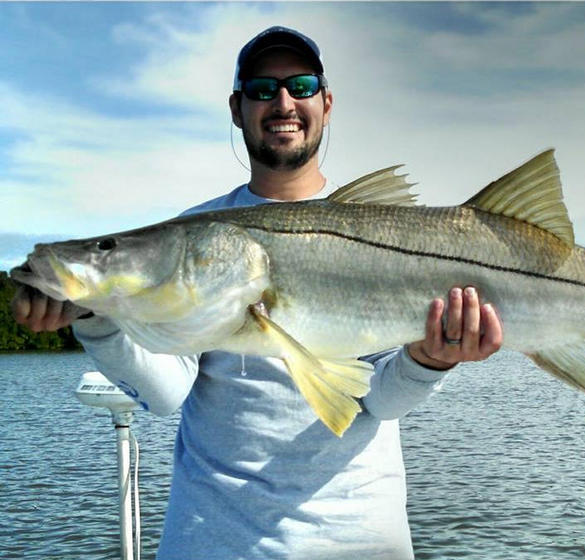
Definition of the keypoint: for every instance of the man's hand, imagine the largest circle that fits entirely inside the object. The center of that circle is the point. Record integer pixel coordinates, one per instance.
(40, 312)
(472, 332)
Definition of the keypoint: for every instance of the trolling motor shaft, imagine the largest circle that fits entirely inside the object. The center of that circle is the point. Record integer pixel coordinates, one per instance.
(95, 390)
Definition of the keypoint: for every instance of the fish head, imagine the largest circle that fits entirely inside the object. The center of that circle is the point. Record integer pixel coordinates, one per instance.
(226, 270)
(102, 273)
(185, 267)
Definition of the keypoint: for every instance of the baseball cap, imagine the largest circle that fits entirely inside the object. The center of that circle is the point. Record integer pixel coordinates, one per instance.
(271, 38)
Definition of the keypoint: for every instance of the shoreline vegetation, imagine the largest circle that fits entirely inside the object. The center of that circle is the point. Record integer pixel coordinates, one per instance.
(16, 338)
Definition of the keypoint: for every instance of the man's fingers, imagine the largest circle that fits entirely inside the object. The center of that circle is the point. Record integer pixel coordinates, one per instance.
(21, 304)
(466, 331)
(493, 334)
(434, 325)
(39, 312)
(471, 321)
(53, 318)
(454, 324)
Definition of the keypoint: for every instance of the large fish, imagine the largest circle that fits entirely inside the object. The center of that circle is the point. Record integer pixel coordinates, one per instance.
(318, 283)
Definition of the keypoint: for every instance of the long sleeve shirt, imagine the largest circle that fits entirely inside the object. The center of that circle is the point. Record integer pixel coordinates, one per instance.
(256, 475)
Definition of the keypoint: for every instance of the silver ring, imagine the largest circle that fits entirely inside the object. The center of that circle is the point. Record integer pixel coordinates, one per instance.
(453, 341)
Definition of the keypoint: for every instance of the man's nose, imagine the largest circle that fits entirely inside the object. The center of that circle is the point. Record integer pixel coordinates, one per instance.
(283, 100)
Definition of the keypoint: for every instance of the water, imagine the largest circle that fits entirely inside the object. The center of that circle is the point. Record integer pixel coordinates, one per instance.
(494, 461)
(58, 477)
(495, 466)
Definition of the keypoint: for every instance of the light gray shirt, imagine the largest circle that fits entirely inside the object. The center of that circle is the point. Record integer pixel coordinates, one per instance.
(256, 475)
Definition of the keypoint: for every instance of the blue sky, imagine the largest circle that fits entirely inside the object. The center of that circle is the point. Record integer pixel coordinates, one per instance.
(114, 115)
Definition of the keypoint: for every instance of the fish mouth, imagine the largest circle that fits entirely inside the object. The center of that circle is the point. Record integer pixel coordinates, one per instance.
(21, 271)
(26, 273)
(45, 273)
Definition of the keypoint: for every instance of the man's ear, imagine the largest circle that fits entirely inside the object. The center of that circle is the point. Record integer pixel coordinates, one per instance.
(235, 108)
(327, 106)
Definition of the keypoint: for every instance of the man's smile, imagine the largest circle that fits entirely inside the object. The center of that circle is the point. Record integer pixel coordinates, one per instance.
(284, 128)
(278, 127)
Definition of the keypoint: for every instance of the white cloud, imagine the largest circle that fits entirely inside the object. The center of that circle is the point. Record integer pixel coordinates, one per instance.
(191, 67)
(70, 164)
(455, 141)
(404, 94)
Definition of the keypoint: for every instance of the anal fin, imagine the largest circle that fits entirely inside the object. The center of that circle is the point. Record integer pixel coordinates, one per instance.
(565, 362)
(328, 385)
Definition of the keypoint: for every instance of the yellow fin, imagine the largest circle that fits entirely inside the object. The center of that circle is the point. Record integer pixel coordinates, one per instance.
(348, 375)
(565, 362)
(328, 385)
(531, 193)
(380, 187)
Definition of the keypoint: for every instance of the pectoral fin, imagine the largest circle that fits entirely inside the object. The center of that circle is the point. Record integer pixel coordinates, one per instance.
(565, 362)
(328, 385)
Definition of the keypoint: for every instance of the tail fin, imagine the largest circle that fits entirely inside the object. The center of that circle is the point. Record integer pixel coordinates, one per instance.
(565, 362)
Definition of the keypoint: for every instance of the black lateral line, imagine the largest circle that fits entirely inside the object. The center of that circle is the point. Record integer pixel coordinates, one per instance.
(412, 252)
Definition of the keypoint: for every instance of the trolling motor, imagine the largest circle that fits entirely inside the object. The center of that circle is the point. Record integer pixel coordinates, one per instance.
(97, 391)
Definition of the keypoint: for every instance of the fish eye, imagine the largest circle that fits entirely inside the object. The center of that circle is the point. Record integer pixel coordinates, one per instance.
(106, 244)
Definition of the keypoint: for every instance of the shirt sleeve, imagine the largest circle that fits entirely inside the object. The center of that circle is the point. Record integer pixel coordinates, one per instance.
(158, 382)
(399, 384)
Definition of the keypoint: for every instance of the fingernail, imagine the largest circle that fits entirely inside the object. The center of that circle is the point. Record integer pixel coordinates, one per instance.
(470, 291)
(456, 292)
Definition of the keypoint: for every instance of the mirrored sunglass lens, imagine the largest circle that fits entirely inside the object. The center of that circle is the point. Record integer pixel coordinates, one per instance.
(261, 88)
(305, 85)
(302, 86)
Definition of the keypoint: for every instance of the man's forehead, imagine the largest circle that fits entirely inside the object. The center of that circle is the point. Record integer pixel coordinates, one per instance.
(280, 60)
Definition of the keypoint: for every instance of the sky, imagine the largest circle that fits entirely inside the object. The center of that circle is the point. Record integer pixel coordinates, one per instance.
(114, 115)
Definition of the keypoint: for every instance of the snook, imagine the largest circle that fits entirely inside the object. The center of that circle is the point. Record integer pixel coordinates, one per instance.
(319, 283)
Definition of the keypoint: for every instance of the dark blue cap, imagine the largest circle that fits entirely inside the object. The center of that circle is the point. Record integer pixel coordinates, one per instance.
(276, 37)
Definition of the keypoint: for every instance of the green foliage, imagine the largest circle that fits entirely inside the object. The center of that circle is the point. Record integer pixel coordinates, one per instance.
(14, 337)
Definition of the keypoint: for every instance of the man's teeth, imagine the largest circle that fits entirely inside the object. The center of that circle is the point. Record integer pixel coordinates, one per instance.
(284, 128)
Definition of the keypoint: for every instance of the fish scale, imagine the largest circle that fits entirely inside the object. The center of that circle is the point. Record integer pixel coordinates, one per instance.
(316, 317)
(453, 233)
(320, 283)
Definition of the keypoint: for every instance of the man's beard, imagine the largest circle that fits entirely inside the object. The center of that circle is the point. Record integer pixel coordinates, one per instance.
(277, 159)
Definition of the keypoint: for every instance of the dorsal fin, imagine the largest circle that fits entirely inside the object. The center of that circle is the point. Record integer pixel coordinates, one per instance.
(380, 187)
(531, 193)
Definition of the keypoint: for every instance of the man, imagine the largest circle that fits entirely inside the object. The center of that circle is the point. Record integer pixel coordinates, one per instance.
(256, 475)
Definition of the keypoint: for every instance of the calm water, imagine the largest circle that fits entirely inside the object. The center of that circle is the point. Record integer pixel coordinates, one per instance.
(495, 466)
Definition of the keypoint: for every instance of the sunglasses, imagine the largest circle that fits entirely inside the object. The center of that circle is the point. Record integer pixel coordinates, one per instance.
(300, 86)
